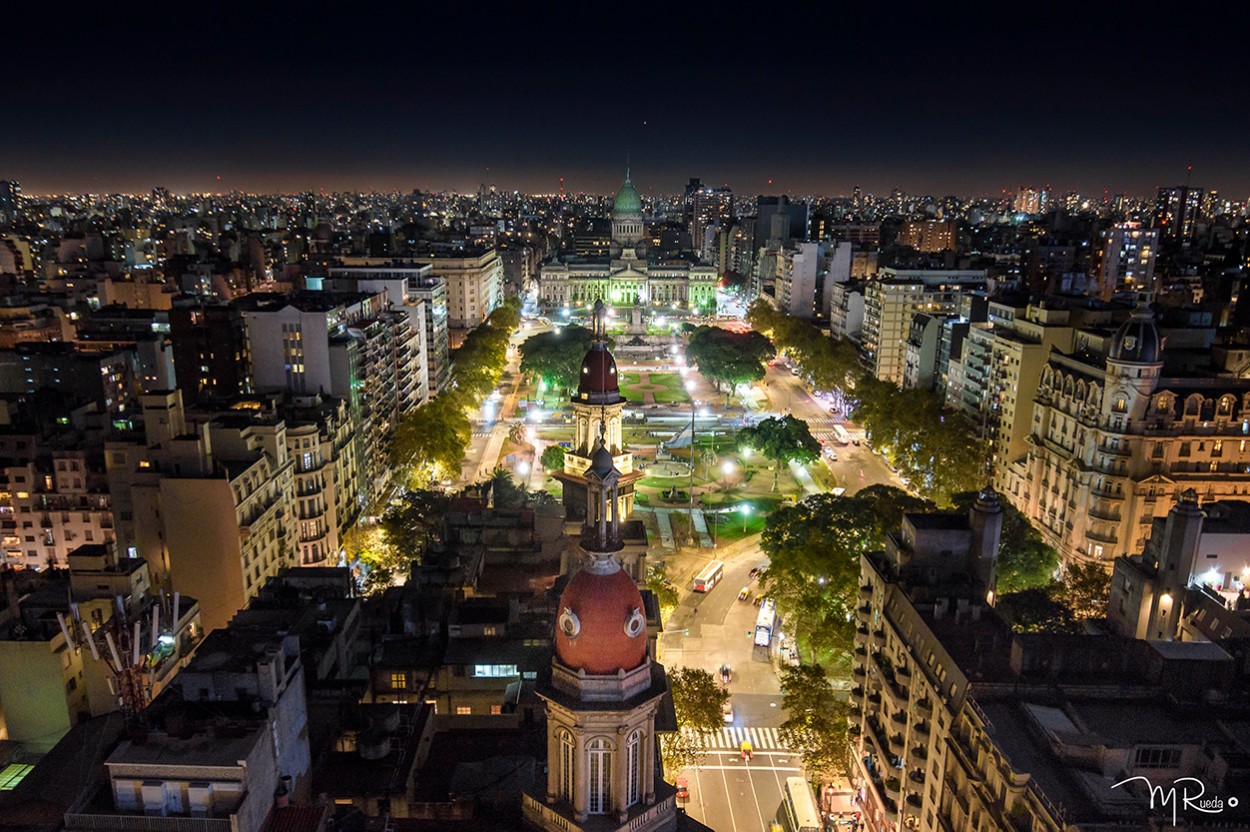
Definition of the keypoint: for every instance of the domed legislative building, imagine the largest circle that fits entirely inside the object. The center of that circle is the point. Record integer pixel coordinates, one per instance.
(628, 275)
(605, 698)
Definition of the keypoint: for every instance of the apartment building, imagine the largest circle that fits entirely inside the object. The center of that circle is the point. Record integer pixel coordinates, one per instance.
(892, 300)
(54, 503)
(958, 723)
(210, 509)
(1114, 442)
(474, 282)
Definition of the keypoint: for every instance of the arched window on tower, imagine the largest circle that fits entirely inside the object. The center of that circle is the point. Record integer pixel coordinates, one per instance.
(599, 774)
(568, 764)
(633, 768)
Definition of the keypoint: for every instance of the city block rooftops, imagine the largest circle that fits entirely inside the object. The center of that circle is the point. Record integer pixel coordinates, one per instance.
(218, 746)
(526, 654)
(231, 650)
(1075, 750)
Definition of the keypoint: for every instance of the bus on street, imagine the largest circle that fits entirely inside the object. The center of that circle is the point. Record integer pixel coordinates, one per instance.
(840, 433)
(764, 623)
(800, 806)
(709, 577)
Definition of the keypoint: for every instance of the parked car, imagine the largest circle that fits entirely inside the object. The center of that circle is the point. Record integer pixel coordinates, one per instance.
(727, 712)
(683, 788)
(745, 593)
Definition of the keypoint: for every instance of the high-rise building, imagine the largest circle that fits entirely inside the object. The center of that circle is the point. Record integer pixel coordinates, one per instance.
(209, 508)
(212, 360)
(710, 207)
(890, 302)
(928, 235)
(1177, 211)
(474, 284)
(1126, 260)
(796, 280)
(10, 201)
(1030, 201)
(778, 221)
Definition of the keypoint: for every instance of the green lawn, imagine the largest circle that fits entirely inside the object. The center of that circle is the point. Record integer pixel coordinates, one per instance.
(671, 389)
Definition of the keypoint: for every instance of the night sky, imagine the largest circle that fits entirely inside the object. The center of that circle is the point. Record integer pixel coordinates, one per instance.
(275, 97)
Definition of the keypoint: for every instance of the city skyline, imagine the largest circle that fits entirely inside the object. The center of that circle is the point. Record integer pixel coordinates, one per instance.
(289, 104)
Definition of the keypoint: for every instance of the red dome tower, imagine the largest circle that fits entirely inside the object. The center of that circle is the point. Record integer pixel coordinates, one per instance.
(603, 693)
(598, 412)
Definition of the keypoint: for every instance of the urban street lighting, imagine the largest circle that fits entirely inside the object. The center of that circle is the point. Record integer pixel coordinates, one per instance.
(745, 508)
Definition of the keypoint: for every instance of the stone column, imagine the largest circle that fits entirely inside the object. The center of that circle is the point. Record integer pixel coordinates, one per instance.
(554, 759)
(581, 788)
(648, 749)
(620, 793)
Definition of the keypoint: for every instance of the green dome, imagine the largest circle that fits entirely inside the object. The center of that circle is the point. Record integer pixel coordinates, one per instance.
(627, 200)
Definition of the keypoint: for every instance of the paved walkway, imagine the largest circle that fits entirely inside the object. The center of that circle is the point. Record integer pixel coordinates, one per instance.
(664, 523)
(804, 478)
(700, 528)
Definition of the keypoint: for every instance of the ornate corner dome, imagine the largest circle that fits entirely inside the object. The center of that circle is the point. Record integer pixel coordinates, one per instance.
(598, 381)
(627, 200)
(1137, 340)
(602, 626)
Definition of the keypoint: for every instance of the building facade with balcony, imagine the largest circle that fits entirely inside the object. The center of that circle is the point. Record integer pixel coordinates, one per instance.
(1114, 443)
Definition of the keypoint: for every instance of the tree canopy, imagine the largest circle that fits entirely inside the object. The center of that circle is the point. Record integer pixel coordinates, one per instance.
(817, 725)
(814, 550)
(782, 440)
(556, 357)
(430, 440)
(552, 458)
(937, 450)
(729, 358)
(698, 700)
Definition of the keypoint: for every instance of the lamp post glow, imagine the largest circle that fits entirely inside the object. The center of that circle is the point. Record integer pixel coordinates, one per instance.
(745, 509)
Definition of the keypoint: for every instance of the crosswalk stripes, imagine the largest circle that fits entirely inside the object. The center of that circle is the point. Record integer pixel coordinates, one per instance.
(731, 738)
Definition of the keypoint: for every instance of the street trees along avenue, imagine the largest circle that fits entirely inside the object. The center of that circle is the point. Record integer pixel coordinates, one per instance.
(818, 725)
(430, 440)
(698, 700)
(782, 440)
(814, 550)
(729, 358)
(937, 450)
(556, 357)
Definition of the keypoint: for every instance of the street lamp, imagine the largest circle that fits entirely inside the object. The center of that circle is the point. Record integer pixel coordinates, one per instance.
(745, 508)
(727, 468)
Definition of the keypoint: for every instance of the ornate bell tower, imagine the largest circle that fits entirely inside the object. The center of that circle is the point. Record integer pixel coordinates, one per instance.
(598, 408)
(603, 693)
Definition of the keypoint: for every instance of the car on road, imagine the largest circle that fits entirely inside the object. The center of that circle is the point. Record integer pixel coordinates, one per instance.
(755, 572)
(683, 788)
(727, 712)
(773, 826)
(745, 593)
(831, 453)
(726, 673)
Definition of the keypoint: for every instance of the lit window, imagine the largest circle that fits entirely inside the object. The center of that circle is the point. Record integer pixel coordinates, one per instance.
(464, 710)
